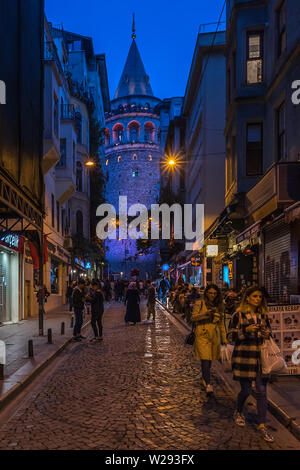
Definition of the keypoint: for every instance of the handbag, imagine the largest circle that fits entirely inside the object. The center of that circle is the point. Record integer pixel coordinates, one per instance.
(270, 358)
(190, 338)
(226, 356)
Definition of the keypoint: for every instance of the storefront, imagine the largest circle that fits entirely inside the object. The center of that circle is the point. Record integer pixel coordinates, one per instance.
(277, 249)
(10, 288)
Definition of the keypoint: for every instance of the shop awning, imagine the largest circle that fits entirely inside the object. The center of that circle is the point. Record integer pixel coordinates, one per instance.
(292, 213)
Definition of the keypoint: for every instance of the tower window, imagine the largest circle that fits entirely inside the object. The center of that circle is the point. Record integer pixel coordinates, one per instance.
(135, 157)
(106, 163)
(119, 158)
(150, 158)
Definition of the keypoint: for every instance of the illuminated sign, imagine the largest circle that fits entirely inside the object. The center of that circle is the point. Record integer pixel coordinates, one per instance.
(212, 250)
(11, 240)
(230, 270)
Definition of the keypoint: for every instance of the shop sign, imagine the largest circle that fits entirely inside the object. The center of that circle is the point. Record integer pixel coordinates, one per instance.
(196, 261)
(285, 323)
(12, 241)
(80, 262)
(249, 233)
(212, 250)
(230, 270)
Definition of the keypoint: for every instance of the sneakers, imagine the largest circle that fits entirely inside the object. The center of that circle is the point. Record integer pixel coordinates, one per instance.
(239, 419)
(82, 337)
(93, 340)
(76, 340)
(265, 434)
(100, 338)
(209, 389)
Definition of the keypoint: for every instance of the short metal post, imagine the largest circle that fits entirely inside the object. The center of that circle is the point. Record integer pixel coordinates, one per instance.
(49, 336)
(1, 371)
(62, 331)
(72, 322)
(30, 348)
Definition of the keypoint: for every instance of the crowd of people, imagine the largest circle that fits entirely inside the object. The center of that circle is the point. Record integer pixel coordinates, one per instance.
(217, 316)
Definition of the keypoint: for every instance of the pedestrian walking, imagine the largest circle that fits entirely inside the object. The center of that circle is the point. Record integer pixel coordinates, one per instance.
(248, 329)
(208, 315)
(132, 300)
(78, 304)
(151, 302)
(96, 300)
(69, 295)
(107, 290)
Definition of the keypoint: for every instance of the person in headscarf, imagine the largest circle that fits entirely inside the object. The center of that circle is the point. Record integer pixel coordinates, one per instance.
(132, 301)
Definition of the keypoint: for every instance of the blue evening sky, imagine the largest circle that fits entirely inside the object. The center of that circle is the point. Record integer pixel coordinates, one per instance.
(166, 34)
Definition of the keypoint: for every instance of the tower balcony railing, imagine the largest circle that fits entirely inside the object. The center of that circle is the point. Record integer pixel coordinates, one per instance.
(131, 109)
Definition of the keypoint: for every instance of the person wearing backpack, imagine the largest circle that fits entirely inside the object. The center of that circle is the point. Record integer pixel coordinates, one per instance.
(248, 329)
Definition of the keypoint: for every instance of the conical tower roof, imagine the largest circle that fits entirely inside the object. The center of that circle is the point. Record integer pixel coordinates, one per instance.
(134, 80)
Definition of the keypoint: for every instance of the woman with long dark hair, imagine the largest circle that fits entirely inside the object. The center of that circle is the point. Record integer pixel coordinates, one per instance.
(210, 333)
(248, 329)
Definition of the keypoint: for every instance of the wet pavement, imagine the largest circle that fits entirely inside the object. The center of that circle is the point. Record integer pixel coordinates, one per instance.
(139, 389)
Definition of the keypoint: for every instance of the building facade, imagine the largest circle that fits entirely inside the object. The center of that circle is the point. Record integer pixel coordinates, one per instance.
(21, 141)
(72, 99)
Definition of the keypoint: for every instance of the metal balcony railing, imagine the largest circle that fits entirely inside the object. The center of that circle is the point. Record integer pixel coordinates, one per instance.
(67, 112)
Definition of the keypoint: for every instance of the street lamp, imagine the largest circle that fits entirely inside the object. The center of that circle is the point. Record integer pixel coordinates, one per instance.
(90, 163)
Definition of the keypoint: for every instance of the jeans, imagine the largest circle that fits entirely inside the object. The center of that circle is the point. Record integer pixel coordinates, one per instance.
(261, 397)
(78, 321)
(206, 366)
(96, 322)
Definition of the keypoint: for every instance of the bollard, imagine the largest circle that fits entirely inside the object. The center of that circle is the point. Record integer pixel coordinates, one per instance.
(49, 336)
(62, 328)
(72, 322)
(1, 371)
(30, 348)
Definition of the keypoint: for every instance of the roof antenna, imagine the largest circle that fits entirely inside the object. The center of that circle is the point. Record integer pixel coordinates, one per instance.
(133, 27)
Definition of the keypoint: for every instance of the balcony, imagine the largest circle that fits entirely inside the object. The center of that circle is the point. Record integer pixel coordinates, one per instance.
(132, 109)
(67, 112)
(278, 188)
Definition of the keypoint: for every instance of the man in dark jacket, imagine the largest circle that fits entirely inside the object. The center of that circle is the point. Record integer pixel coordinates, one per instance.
(96, 298)
(78, 298)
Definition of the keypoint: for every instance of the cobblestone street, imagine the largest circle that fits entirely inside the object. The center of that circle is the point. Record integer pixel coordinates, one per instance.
(138, 390)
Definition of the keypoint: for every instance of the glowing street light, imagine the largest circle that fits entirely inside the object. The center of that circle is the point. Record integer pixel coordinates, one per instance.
(90, 163)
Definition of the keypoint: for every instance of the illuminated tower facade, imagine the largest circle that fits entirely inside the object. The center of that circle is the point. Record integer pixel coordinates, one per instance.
(132, 158)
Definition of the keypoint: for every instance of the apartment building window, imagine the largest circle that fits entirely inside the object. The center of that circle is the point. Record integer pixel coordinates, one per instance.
(281, 146)
(254, 150)
(281, 28)
(74, 156)
(52, 210)
(135, 173)
(254, 57)
(56, 115)
(79, 175)
(234, 69)
(63, 154)
(79, 223)
(63, 225)
(78, 124)
(58, 216)
(228, 86)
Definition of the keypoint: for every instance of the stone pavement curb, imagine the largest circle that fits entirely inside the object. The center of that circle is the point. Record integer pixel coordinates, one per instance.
(22, 380)
(273, 407)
